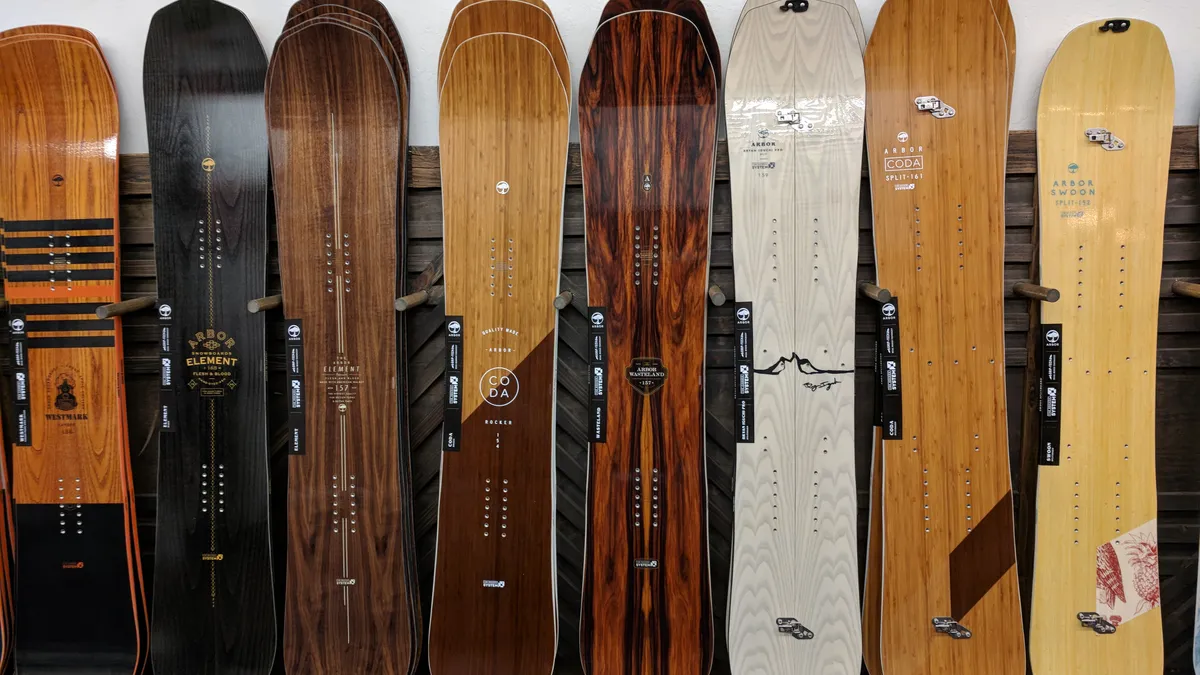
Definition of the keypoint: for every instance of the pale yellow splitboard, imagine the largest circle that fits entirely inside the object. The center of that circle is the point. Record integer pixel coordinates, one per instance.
(794, 99)
(1102, 213)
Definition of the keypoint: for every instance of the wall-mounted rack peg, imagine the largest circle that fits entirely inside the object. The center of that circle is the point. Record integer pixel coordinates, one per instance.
(263, 304)
(563, 300)
(125, 307)
(424, 296)
(716, 295)
(1032, 291)
(870, 290)
(1185, 289)
(426, 292)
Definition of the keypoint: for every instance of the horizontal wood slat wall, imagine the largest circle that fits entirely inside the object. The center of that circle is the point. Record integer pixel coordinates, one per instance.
(1178, 359)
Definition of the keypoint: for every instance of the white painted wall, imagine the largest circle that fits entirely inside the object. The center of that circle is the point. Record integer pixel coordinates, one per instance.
(121, 27)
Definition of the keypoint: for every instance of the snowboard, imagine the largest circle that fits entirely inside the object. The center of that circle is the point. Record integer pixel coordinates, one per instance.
(937, 138)
(203, 77)
(336, 109)
(872, 575)
(504, 131)
(1104, 145)
(76, 536)
(794, 97)
(648, 102)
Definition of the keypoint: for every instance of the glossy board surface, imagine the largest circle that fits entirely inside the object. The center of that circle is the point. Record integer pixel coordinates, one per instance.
(648, 117)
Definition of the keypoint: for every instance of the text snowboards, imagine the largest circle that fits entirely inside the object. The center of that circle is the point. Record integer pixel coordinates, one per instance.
(1050, 399)
(166, 356)
(743, 364)
(295, 372)
(598, 374)
(20, 345)
(887, 346)
(452, 424)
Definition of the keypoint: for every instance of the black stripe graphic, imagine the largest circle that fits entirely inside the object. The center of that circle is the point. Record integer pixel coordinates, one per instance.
(68, 325)
(64, 308)
(72, 342)
(982, 558)
(93, 241)
(62, 277)
(16, 259)
(58, 225)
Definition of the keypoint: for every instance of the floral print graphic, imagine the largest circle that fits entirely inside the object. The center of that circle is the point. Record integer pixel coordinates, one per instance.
(1127, 574)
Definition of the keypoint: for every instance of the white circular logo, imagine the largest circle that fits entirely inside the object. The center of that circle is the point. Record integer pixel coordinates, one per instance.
(454, 327)
(502, 187)
(889, 310)
(597, 319)
(902, 136)
(18, 325)
(164, 311)
(1052, 337)
(499, 386)
(743, 314)
(293, 331)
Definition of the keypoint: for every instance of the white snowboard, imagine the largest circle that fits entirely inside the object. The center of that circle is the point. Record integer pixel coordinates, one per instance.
(794, 113)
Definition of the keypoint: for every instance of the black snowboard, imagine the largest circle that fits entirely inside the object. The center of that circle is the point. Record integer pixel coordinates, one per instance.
(213, 607)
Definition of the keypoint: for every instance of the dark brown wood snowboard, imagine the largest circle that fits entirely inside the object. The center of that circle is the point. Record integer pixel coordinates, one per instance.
(648, 103)
(336, 120)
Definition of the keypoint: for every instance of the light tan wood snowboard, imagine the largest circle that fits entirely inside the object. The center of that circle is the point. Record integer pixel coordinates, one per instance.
(1104, 145)
(794, 107)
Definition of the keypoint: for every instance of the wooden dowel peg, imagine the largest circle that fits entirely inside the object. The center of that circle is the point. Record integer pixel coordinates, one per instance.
(1035, 292)
(425, 296)
(1186, 289)
(3, 304)
(563, 300)
(870, 290)
(716, 295)
(125, 307)
(263, 304)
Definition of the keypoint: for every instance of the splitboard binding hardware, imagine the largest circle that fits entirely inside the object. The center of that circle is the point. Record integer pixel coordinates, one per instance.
(1115, 25)
(1105, 138)
(790, 626)
(1096, 622)
(792, 117)
(935, 106)
(947, 625)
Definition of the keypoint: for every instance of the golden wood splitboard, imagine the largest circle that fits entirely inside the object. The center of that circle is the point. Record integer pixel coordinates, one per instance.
(504, 132)
(794, 99)
(1104, 144)
(937, 89)
(873, 575)
(75, 527)
(335, 122)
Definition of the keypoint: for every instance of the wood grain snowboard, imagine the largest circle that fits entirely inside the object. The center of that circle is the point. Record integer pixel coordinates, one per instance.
(1104, 145)
(948, 599)
(75, 526)
(648, 116)
(504, 131)
(794, 105)
(336, 124)
(214, 608)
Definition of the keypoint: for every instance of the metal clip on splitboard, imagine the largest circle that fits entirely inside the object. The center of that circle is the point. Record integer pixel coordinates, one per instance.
(790, 626)
(947, 625)
(787, 116)
(934, 105)
(1096, 622)
(1105, 138)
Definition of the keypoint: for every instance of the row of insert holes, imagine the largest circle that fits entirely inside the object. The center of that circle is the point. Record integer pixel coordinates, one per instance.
(353, 489)
(638, 498)
(1117, 494)
(345, 249)
(1079, 293)
(504, 267)
(961, 253)
(487, 508)
(205, 500)
(64, 511)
